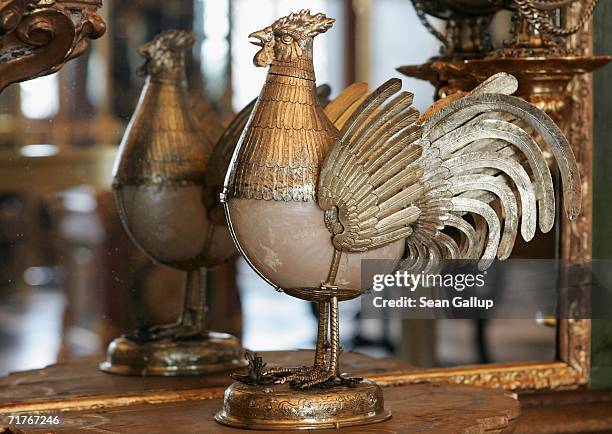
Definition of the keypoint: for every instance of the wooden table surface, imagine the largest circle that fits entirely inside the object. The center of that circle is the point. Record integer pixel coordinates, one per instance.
(91, 401)
(79, 384)
(432, 408)
(578, 411)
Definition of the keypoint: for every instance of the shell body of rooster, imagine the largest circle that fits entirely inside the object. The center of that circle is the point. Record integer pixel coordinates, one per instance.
(369, 178)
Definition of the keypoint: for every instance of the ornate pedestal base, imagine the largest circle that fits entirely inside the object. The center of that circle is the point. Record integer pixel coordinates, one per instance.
(279, 407)
(166, 357)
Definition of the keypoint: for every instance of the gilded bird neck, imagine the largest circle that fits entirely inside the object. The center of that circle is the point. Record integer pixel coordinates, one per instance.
(162, 145)
(288, 135)
(285, 142)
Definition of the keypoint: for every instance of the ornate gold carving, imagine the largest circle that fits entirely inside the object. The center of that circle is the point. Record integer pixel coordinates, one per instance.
(568, 373)
(524, 376)
(542, 60)
(577, 236)
(37, 37)
(256, 407)
(535, 31)
(542, 81)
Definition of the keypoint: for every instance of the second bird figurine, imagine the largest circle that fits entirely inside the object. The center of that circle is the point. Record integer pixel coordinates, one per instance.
(167, 179)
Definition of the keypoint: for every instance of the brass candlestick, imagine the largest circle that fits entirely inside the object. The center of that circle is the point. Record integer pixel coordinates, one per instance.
(538, 52)
(535, 26)
(311, 192)
(165, 176)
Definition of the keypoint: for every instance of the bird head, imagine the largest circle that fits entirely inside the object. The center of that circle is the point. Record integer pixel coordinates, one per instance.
(289, 38)
(165, 52)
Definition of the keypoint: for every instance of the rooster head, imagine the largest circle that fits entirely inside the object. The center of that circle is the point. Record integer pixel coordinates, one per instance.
(289, 38)
(165, 52)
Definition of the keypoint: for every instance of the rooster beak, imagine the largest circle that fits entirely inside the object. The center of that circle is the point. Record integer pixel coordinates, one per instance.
(261, 37)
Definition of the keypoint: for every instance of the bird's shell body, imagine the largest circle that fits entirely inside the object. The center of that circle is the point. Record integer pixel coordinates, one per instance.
(170, 223)
(288, 243)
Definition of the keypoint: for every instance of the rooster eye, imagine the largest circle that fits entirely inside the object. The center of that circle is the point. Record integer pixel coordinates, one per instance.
(287, 39)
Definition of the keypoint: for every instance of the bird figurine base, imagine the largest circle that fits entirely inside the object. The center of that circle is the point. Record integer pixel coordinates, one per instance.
(206, 354)
(280, 407)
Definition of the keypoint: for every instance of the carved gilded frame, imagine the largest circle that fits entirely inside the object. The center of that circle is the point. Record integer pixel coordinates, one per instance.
(39, 37)
(571, 371)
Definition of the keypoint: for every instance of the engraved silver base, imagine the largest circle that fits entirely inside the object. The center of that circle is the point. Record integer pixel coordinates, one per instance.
(213, 352)
(279, 407)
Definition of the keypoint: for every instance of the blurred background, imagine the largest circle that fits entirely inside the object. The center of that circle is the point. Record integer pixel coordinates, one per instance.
(71, 280)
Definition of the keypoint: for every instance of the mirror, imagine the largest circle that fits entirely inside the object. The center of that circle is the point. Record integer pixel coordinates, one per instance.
(70, 278)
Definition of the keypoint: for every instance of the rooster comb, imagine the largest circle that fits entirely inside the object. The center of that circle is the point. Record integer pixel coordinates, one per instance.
(303, 23)
(165, 52)
(168, 41)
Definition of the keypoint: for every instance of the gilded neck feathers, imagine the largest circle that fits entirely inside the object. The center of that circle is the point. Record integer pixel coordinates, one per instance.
(284, 144)
(162, 145)
(288, 135)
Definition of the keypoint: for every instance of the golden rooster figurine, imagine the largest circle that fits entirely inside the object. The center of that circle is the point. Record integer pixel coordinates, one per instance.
(167, 180)
(312, 192)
